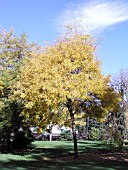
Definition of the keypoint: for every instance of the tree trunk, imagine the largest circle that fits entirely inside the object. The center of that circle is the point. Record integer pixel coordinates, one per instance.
(87, 127)
(8, 142)
(69, 105)
(50, 137)
(8, 139)
(74, 137)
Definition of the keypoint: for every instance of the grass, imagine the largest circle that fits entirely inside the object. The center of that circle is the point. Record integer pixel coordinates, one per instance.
(58, 155)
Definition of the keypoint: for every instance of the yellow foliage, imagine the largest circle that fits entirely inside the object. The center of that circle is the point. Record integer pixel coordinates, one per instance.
(68, 68)
(39, 130)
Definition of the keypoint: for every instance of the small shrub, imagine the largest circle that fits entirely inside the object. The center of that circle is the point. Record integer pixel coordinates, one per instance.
(94, 134)
(22, 140)
(66, 135)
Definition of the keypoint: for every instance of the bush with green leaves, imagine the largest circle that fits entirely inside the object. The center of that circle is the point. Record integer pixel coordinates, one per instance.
(94, 133)
(66, 135)
(22, 140)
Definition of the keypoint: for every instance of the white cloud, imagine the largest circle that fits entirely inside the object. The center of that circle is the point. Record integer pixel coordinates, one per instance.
(96, 15)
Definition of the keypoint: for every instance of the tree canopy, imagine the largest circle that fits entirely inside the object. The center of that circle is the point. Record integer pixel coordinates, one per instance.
(68, 69)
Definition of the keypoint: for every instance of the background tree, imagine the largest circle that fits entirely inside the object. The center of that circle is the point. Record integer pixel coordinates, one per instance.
(99, 107)
(13, 50)
(66, 73)
(120, 85)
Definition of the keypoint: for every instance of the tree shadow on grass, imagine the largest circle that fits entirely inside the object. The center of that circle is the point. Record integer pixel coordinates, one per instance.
(41, 151)
(46, 163)
(61, 158)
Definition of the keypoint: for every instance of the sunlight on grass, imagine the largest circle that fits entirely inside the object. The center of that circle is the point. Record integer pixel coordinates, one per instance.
(58, 155)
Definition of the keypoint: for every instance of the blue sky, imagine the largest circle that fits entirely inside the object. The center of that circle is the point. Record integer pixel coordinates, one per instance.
(43, 20)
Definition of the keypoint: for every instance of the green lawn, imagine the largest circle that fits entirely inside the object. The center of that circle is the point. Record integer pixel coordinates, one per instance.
(58, 155)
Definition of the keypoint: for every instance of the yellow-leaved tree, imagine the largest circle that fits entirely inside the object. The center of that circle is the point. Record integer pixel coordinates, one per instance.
(64, 74)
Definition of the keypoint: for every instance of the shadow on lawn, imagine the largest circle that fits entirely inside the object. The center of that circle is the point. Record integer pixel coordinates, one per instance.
(57, 158)
(39, 163)
(58, 151)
